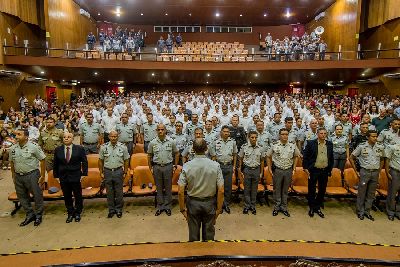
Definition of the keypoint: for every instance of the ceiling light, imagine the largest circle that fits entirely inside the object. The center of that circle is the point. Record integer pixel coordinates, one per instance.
(217, 14)
(96, 73)
(166, 14)
(241, 15)
(118, 14)
(98, 14)
(108, 81)
(206, 82)
(287, 14)
(363, 74)
(341, 81)
(256, 74)
(208, 74)
(152, 74)
(265, 14)
(190, 14)
(118, 83)
(250, 82)
(312, 73)
(79, 82)
(63, 81)
(42, 72)
(141, 14)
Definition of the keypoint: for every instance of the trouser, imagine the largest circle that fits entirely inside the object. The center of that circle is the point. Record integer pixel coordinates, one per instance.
(366, 190)
(315, 201)
(281, 179)
(339, 160)
(322, 55)
(130, 147)
(251, 178)
(91, 46)
(227, 172)
(49, 161)
(24, 186)
(201, 215)
(392, 207)
(75, 189)
(114, 182)
(90, 148)
(163, 180)
(146, 145)
(169, 49)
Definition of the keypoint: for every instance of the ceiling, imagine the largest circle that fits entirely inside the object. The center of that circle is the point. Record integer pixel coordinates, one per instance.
(203, 12)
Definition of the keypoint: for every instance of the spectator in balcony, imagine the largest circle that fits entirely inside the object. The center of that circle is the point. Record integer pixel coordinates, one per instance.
(91, 40)
(160, 45)
(311, 48)
(102, 37)
(169, 43)
(116, 44)
(178, 40)
(107, 44)
(130, 45)
(322, 47)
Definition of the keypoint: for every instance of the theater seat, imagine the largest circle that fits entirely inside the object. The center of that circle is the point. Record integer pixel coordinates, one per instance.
(334, 187)
(13, 196)
(351, 180)
(93, 160)
(268, 180)
(383, 184)
(52, 182)
(347, 165)
(125, 189)
(143, 176)
(235, 186)
(175, 178)
(91, 183)
(139, 148)
(138, 159)
(300, 181)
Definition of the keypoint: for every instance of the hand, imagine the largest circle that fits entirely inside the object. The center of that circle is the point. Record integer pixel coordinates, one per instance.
(184, 213)
(41, 180)
(307, 172)
(102, 175)
(58, 179)
(217, 213)
(82, 177)
(358, 175)
(389, 176)
(261, 175)
(270, 172)
(294, 171)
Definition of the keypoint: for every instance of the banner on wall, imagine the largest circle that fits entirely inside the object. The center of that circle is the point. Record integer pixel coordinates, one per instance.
(51, 96)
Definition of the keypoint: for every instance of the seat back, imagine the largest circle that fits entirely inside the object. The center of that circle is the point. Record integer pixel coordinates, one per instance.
(350, 177)
(138, 159)
(93, 160)
(142, 175)
(175, 176)
(93, 179)
(51, 181)
(383, 180)
(139, 148)
(335, 180)
(300, 178)
(267, 176)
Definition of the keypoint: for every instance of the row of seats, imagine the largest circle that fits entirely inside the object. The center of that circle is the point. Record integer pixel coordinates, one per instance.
(206, 58)
(105, 55)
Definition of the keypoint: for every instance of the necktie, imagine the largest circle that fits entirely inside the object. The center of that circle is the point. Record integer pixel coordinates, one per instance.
(68, 155)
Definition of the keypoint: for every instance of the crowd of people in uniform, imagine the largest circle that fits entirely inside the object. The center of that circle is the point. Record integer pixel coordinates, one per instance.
(296, 48)
(215, 134)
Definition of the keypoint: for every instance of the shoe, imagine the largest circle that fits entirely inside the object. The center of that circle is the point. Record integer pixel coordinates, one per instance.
(150, 185)
(391, 217)
(311, 213)
(369, 217)
(119, 214)
(158, 213)
(27, 221)
(286, 213)
(245, 211)
(77, 217)
(254, 211)
(320, 214)
(168, 212)
(227, 209)
(69, 219)
(38, 221)
(110, 215)
(275, 213)
(397, 216)
(360, 216)
(143, 186)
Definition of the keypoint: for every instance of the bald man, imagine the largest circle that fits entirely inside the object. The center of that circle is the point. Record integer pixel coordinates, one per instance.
(69, 167)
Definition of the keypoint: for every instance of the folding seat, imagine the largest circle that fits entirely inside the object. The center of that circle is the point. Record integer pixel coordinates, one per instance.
(268, 180)
(138, 159)
(351, 181)
(227, 58)
(127, 57)
(300, 181)
(93, 160)
(250, 59)
(334, 187)
(91, 184)
(80, 55)
(347, 165)
(175, 178)
(139, 148)
(235, 59)
(383, 184)
(52, 182)
(112, 57)
(142, 177)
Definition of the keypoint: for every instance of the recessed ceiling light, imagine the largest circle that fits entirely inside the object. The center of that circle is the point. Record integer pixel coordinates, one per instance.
(265, 14)
(190, 14)
(341, 81)
(42, 72)
(118, 83)
(63, 80)
(250, 82)
(152, 74)
(206, 82)
(256, 74)
(208, 74)
(96, 73)
(79, 82)
(363, 74)
(312, 74)
(217, 14)
(98, 14)
(241, 15)
(166, 14)
(108, 81)
(141, 14)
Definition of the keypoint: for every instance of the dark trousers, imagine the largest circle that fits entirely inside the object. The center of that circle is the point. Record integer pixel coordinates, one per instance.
(251, 178)
(393, 206)
(366, 190)
(315, 201)
(130, 146)
(227, 172)
(106, 139)
(201, 215)
(339, 160)
(114, 182)
(282, 179)
(26, 185)
(146, 146)
(163, 180)
(75, 189)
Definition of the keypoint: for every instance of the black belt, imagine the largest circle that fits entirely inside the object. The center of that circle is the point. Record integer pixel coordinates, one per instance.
(113, 170)
(88, 144)
(225, 163)
(370, 170)
(284, 169)
(163, 165)
(23, 174)
(394, 169)
(202, 198)
(252, 168)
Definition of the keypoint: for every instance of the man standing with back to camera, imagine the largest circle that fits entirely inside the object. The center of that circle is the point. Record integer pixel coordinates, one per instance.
(205, 190)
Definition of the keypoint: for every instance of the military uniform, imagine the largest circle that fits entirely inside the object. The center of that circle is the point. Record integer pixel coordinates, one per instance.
(189, 153)
(114, 158)
(392, 152)
(26, 167)
(181, 141)
(307, 136)
(224, 152)
(202, 177)
(252, 157)
(149, 132)
(49, 140)
(264, 140)
(273, 129)
(210, 137)
(340, 144)
(162, 157)
(239, 135)
(190, 127)
(282, 159)
(91, 136)
(126, 135)
(388, 137)
(369, 158)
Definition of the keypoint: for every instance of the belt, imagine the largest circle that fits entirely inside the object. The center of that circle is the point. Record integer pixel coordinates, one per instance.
(225, 163)
(88, 144)
(163, 165)
(370, 170)
(394, 169)
(252, 168)
(49, 151)
(23, 174)
(284, 169)
(114, 169)
(202, 198)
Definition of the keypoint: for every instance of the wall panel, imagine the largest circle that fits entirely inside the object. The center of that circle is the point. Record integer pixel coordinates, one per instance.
(381, 11)
(26, 10)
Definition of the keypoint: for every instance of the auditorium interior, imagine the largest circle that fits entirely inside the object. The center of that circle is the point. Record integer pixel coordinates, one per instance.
(67, 50)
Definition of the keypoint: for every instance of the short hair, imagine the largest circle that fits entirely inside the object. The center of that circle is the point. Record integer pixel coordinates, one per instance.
(277, 113)
(197, 129)
(179, 122)
(371, 132)
(51, 119)
(199, 146)
(338, 125)
(364, 123)
(321, 129)
(283, 130)
(253, 132)
(25, 131)
(224, 127)
(288, 119)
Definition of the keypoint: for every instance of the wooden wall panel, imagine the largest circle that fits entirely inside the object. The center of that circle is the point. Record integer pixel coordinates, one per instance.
(381, 11)
(26, 10)
(66, 25)
(340, 25)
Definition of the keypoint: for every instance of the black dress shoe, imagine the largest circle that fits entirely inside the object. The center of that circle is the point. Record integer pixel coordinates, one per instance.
(311, 213)
(227, 209)
(286, 213)
(110, 215)
(158, 213)
(245, 211)
(77, 217)
(360, 216)
(391, 217)
(254, 211)
(27, 221)
(69, 219)
(320, 214)
(275, 213)
(168, 212)
(38, 221)
(119, 214)
(369, 217)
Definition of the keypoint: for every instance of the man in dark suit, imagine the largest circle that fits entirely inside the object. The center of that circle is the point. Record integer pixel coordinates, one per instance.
(70, 165)
(318, 164)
